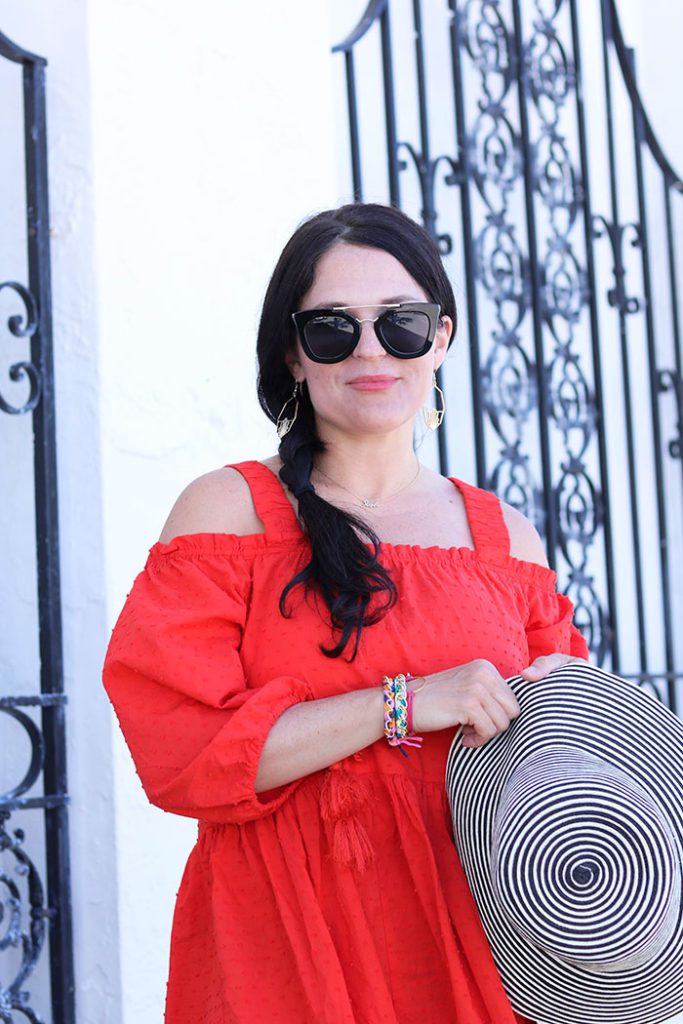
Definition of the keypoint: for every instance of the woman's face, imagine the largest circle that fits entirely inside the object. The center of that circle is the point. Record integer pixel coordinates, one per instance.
(359, 276)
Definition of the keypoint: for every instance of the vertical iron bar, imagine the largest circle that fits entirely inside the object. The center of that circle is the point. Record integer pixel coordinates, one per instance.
(550, 525)
(427, 182)
(428, 211)
(671, 250)
(623, 340)
(390, 109)
(47, 546)
(468, 247)
(612, 640)
(353, 126)
(638, 140)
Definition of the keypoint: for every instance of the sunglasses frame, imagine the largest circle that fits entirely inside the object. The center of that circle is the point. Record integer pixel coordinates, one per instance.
(431, 309)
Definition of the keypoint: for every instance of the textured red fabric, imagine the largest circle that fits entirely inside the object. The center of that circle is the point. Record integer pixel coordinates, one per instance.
(337, 899)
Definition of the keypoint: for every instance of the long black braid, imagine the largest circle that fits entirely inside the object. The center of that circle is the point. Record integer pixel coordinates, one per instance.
(344, 568)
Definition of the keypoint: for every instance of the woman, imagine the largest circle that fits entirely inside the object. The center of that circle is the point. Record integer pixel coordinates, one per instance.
(247, 666)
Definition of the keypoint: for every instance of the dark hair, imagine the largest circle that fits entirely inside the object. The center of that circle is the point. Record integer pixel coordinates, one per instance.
(344, 569)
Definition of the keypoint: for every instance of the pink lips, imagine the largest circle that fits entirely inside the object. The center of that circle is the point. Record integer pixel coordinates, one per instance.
(374, 383)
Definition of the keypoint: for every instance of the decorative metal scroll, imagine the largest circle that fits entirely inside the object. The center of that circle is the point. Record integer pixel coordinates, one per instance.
(559, 301)
(32, 910)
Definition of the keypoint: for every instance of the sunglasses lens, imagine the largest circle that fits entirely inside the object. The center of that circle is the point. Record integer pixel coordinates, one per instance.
(329, 337)
(405, 332)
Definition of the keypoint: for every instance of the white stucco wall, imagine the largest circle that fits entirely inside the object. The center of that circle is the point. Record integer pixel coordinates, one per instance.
(184, 148)
(207, 153)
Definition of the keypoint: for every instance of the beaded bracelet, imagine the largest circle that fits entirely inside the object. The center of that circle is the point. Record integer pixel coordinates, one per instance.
(398, 716)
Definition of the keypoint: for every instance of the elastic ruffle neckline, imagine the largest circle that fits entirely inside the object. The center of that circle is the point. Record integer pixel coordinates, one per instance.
(206, 545)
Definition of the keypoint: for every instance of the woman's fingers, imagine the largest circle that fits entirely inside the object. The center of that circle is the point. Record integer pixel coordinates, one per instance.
(507, 700)
(492, 716)
(544, 664)
(483, 728)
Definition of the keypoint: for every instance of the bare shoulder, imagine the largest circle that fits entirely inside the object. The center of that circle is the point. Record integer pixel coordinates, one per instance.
(218, 502)
(525, 541)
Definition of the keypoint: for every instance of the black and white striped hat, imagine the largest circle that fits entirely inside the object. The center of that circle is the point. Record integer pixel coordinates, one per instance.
(569, 826)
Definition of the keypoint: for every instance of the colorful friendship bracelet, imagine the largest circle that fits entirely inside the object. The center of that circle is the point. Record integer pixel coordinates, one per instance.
(400, 706)
(398, 712)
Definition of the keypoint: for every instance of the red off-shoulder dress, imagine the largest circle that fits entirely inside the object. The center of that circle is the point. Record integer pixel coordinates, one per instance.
(339, 898)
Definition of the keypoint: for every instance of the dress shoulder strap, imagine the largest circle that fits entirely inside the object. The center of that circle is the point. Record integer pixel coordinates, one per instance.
(487, 525)
(270, 501)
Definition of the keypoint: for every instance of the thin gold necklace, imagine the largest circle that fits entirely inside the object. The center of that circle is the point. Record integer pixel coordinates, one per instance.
(367, 502)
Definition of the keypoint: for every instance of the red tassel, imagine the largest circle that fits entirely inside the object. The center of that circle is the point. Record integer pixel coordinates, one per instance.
(342, 796)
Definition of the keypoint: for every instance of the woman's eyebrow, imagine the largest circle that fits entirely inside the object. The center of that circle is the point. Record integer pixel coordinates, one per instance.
(385, 302)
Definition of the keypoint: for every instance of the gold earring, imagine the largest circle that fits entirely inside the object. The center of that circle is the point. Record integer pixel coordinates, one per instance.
(434, 417)
(284, 424)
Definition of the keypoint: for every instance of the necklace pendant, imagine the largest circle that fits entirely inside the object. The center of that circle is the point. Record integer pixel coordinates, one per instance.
(366, 503)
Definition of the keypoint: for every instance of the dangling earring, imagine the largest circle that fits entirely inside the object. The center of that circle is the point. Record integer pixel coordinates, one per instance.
(434, 417)
(284, 425)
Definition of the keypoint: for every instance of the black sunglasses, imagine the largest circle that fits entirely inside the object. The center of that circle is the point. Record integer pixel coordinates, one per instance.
(406, 330)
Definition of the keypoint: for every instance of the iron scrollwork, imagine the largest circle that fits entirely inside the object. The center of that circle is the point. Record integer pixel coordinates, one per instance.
(35, 767)
(617, 296)
(670, 380)
(426, 170)
(22, 920)
(550, 78)
(23, 911)
(23, 327)
(509, 390)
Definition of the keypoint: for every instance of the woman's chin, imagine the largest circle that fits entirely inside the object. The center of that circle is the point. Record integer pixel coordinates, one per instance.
(369, 422)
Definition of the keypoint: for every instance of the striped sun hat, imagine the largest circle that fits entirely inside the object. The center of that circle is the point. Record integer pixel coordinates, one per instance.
(569, 826)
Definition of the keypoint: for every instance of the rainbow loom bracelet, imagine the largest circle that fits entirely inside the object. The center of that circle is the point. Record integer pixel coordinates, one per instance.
(389, 727)
(400, 706)
(396, 704)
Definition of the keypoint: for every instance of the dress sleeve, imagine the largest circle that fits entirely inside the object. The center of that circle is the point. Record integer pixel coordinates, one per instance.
(549, 626)
(173, 673)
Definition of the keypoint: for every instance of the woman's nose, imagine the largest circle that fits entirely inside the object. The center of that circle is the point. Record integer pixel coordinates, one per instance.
(368, 344)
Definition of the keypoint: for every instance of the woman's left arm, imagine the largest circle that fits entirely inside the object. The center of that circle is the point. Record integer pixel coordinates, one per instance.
(553, 638)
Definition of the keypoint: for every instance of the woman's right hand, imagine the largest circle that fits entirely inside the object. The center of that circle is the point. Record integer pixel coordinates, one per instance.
(473, 695)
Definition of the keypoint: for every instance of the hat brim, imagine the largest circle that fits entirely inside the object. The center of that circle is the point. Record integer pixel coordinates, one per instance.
(603, 717)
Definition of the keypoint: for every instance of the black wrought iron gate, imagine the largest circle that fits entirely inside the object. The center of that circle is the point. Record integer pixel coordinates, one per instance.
(32, 740)
(514, 130)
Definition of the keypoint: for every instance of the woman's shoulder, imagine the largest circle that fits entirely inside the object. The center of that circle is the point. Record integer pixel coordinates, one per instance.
(504, 527)
(218, 502)
(526, 543)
